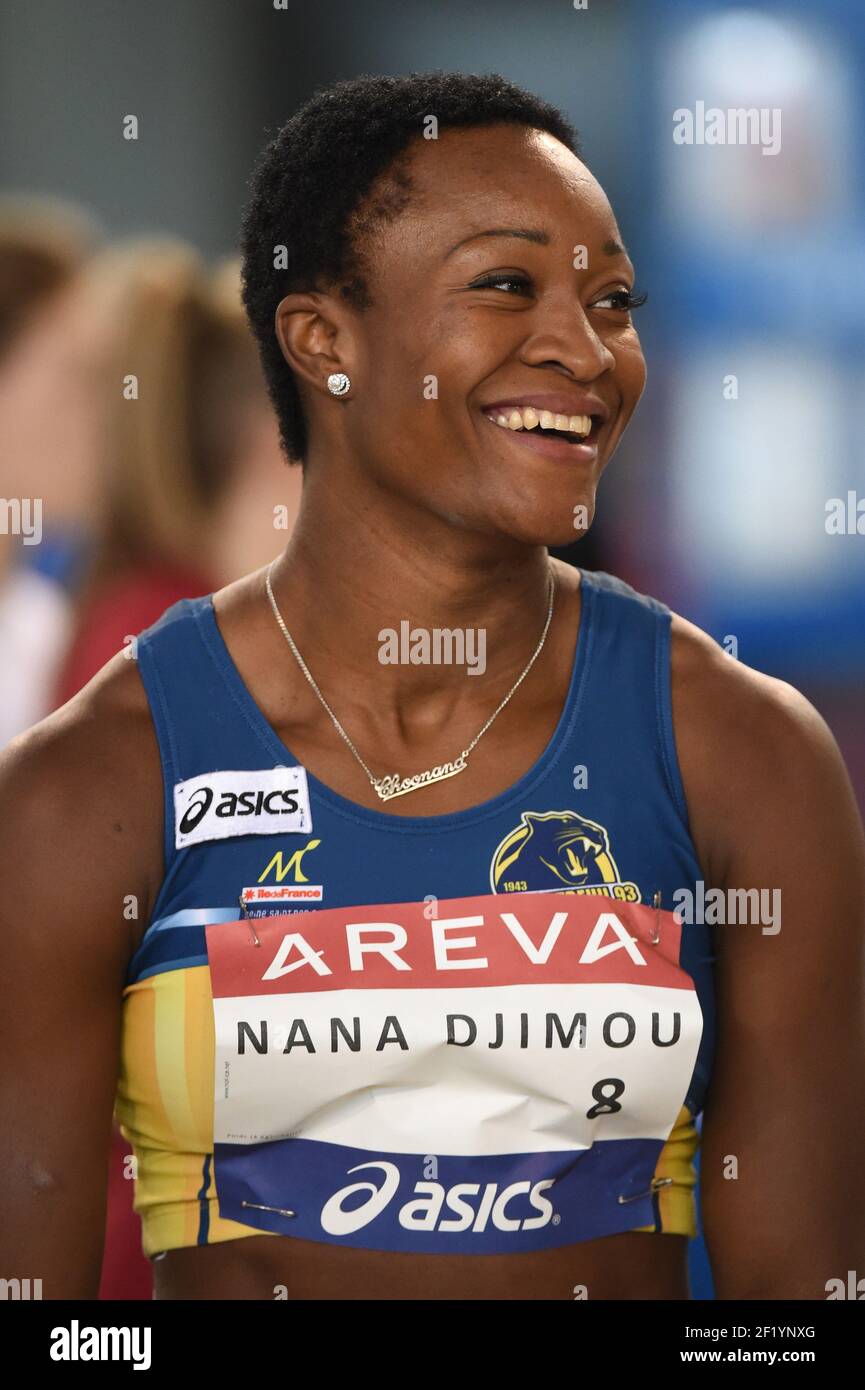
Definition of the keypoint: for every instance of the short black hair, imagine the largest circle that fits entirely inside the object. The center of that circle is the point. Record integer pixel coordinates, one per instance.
(306, 218)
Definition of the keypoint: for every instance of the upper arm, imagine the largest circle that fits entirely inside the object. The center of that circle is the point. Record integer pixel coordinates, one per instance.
(73, 850)
(773, 809)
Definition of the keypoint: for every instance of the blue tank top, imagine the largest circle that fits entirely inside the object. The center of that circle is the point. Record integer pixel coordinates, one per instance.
(475, 1032)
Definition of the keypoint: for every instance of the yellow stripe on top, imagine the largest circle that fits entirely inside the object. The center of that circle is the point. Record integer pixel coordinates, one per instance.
(165, 1109)
(199, 1042)
(677, 1202)
(170, 1043)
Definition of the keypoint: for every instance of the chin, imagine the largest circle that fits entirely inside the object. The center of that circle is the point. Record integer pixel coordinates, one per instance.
(554, 522)
(543, 532)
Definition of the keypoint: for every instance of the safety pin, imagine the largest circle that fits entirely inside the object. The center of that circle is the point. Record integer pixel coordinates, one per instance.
(280, 1211)
(656, 903)
(244, 914)
(656, 1183)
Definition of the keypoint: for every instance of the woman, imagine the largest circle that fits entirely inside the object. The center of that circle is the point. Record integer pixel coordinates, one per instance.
(185, 487)
(471, 1068)
(159, 471)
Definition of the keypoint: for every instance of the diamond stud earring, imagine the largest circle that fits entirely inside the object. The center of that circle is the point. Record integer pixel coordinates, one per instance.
(338, 384)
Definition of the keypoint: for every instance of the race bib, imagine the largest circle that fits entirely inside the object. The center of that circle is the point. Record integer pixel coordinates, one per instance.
(497, 1077)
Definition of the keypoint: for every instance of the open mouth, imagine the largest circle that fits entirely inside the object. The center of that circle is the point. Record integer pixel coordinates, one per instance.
(545, 424)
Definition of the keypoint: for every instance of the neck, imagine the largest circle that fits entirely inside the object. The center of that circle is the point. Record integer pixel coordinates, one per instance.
(354, 573)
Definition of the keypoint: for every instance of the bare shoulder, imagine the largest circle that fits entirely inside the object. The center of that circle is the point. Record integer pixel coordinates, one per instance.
(748, 744)
(733, 697)
(81, 797)
(98, 741)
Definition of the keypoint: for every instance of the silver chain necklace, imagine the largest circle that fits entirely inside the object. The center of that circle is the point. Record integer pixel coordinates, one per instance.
(393, 784)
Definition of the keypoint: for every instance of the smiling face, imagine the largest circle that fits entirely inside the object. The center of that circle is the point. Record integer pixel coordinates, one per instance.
(475, 288)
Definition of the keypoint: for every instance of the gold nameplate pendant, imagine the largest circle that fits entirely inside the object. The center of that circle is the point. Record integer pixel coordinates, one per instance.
(394, 785)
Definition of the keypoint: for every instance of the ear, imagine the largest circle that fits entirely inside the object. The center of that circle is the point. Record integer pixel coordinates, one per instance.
(313, 334)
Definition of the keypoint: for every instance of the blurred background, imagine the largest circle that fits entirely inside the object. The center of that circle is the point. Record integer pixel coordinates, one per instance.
(127, 136)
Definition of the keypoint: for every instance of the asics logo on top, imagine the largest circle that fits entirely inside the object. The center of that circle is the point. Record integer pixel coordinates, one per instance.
(198, 807)
(236, 804)
(221, 805)
(470, 1206)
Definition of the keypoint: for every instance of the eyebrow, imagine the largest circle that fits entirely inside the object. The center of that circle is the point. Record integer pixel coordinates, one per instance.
(612, 248)
(527, 234)
(536, 234)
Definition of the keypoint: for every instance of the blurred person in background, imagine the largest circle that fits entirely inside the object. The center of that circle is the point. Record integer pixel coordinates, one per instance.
(156, 483)
(188, 493)
(43, 444)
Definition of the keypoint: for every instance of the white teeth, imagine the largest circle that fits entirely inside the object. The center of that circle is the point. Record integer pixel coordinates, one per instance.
(528, 417)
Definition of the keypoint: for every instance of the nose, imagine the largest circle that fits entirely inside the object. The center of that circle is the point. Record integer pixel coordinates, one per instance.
(565, 339)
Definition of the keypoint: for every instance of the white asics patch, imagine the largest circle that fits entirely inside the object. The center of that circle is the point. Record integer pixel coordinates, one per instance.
(222, 805)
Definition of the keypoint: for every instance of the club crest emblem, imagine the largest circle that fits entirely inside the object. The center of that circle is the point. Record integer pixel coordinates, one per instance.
(562, 852)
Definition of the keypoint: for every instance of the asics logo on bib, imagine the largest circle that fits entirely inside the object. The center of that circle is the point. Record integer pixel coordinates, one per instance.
(219, 805)
(471, 1206)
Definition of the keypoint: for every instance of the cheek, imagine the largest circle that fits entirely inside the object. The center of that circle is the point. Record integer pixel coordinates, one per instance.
(440, 348)
(394, 371)
(630, 368)
(418, 388)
